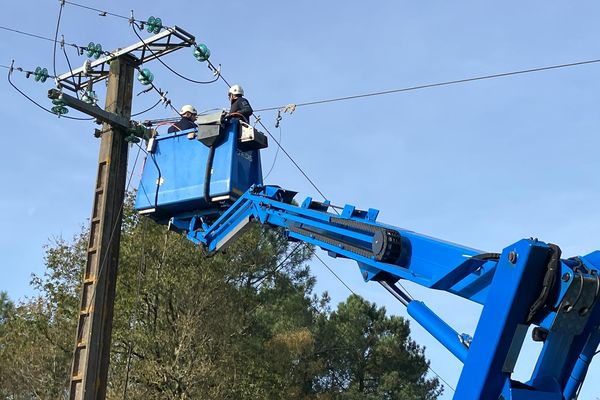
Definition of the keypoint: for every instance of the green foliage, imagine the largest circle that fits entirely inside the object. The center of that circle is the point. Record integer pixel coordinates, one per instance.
(369, 355)
(243, 324)
(7, 307)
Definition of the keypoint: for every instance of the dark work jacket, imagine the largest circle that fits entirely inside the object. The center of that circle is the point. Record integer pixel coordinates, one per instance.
(182, 125)
(242, 106)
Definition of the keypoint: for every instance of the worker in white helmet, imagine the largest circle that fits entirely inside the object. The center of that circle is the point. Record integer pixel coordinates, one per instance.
(188, 117)
(240, 107)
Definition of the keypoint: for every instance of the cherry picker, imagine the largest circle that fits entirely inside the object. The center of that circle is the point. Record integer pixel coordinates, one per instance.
(209, 187)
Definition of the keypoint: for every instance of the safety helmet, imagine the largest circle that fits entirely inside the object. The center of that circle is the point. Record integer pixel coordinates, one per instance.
(236, 90)
(188, 108)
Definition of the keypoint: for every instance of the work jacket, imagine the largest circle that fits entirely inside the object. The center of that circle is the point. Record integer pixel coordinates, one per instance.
(242, 106)
(182, 125)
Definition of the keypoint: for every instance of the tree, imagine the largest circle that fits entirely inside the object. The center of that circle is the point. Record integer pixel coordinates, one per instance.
(38, 337)
(7, 307)
(243, 324)
(369, 355)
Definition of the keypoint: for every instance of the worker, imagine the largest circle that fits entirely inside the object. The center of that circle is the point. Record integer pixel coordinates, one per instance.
(188, 117)
(240, 107)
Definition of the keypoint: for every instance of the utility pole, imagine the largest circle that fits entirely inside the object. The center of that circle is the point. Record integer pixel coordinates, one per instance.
(89, 371)
(90, 362)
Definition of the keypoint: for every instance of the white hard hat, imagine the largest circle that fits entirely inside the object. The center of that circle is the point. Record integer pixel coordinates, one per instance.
(236, 90)
(188, 108)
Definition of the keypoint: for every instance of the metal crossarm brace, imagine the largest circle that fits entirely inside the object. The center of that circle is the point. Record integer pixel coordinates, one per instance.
(165, 42)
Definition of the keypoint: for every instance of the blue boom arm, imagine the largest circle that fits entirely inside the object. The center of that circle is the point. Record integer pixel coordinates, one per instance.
(527, 284)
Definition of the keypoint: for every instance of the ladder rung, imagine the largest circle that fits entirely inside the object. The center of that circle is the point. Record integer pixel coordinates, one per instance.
(86, 311)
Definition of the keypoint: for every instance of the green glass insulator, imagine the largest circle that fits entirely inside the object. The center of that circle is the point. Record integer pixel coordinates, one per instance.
(44, 75)
(150, 24)
(132, 138)
(89, 97)
(98, 51)
(59, 110)
(90, 50)
(145, 76)
(201, 52)
(58, 102)
(157, 25)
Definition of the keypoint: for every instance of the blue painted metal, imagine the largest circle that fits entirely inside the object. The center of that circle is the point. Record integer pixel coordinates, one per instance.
(438, 328)
(501, 330)
(580, 368)
(507, 286)
(506, 289)
(173, 183)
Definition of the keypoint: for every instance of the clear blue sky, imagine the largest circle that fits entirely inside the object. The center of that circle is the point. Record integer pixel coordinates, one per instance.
(482, 164)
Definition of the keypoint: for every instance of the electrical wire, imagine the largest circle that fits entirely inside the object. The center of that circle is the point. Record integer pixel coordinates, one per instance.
(280, 265)
(161, 94)
(62, 4)
(353, 292)
(431, 85)
(147, 109)
(26, 33)
(133, 27)
(39, 105)
(293, 161)
(134, 316)
(112, 233)
(102, 13)
(76, 46)
(334, 274)
(70, 69)
(274, 158)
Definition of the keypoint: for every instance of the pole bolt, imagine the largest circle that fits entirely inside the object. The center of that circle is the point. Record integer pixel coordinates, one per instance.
(566, 276)
(512, 257)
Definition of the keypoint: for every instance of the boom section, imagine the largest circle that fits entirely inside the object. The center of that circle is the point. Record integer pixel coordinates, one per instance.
(383, 252)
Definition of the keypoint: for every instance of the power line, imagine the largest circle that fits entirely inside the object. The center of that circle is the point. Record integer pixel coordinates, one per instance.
(148, 109)
(274, 158)
(353, 292)
(162, 94)
(334, 274)
(431, 85)
(62, 4)
(61, 42)
(26, 33)
(70, 68)
(101, 13)
(293, 161)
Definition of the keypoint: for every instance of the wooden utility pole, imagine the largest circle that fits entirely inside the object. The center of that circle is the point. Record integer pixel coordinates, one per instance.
(89, 371)
(92, 350)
